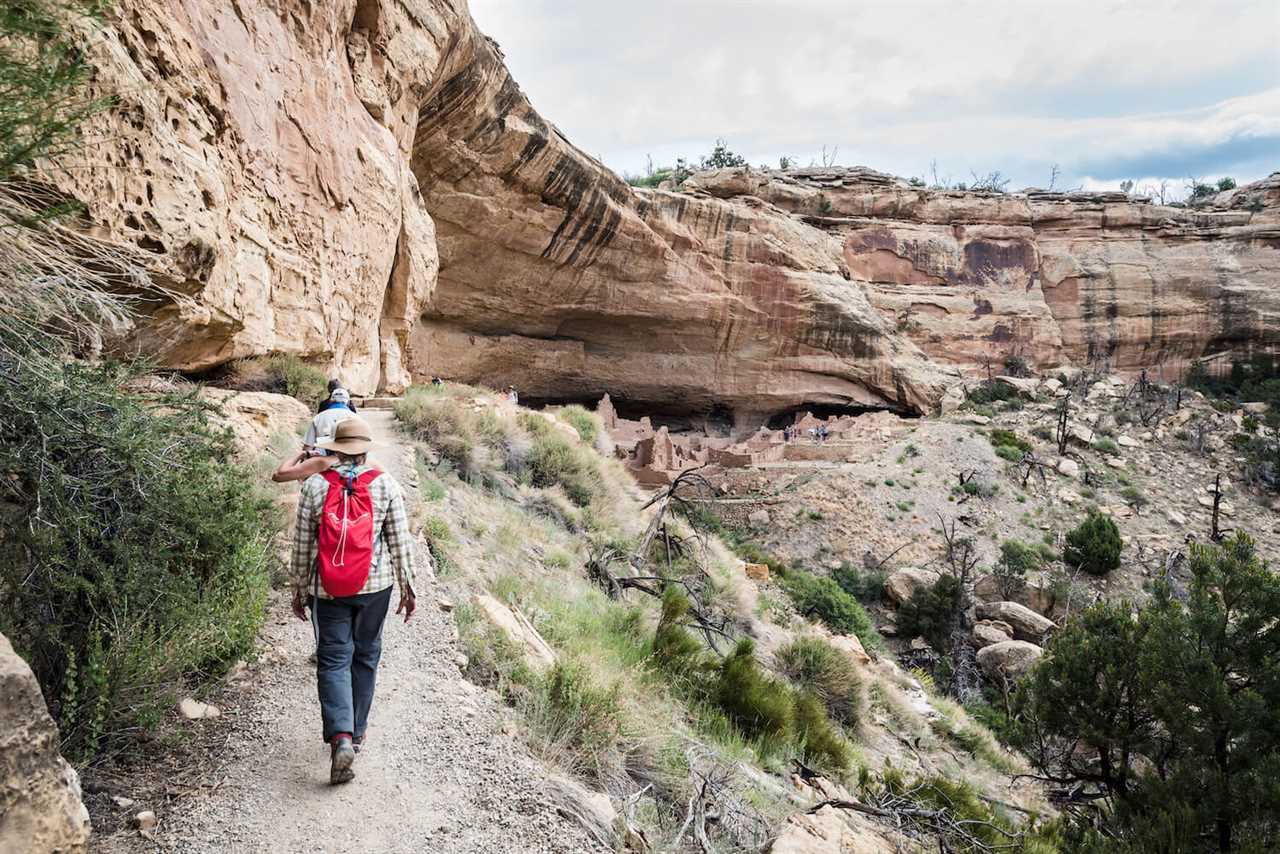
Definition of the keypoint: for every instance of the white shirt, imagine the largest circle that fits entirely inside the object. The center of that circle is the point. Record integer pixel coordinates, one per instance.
(325, 424)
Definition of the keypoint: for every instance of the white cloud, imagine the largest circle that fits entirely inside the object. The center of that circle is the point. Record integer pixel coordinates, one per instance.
(978, 85)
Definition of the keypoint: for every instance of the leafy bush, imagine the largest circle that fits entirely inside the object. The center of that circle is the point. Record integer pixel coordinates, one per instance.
(675, 650)
(438, 536)
(822, 598)
(990, 391)
(932, 612)
(1000, 437)
(865, 586)
(586, 423)
(1165, 711)
(816, 667)
(1106, 445)
(1008, 452)
(576, 722)
(283, 373)
(136, 556)
(1134, 497)
(1094, 545)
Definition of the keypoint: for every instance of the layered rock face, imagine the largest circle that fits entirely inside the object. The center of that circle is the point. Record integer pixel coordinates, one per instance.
(40, 807)
(363, 183)
(260, 152)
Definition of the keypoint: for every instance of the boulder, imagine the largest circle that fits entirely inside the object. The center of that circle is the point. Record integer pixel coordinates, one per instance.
(592, 811)
(831, 831)
(194, 710)
(1027, 624)
(952, 400)
(903, 583)
(1080, 434)
(756, 571)
(1008, 659)
(850, 646)
(975, 418)
(517, 629)
(40, 807)
(758, 518)
(254, 417)
(1051, 385)
(1128, 442)
(1068, 467)
(986, 633)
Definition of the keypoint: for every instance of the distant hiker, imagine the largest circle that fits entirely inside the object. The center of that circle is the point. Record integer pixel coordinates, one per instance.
(337, 396)
(512, 396)
(335, 409)
(437, 381)
(352, 545)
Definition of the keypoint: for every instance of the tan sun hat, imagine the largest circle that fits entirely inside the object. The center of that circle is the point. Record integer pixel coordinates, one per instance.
(351, 437)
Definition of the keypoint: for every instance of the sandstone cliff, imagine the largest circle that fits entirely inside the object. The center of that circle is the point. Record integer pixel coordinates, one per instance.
(364, 183)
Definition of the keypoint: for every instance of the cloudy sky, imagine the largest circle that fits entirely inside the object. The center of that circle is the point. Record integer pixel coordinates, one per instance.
(1108, 89)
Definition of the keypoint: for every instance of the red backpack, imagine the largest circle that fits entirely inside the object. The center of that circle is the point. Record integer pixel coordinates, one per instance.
(345, 540)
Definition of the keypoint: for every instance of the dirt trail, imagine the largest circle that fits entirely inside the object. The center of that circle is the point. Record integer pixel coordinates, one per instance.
(438, 774)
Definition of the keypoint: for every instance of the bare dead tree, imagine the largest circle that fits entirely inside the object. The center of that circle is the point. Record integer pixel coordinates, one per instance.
(1216, 533)
(1060, 434)
(961, 556)
(1055, 172)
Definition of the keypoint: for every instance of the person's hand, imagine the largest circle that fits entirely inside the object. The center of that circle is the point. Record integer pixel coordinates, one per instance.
(299, 608)
(408, 604)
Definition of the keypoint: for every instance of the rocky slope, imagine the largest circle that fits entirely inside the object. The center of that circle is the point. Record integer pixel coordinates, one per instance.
(363, 183)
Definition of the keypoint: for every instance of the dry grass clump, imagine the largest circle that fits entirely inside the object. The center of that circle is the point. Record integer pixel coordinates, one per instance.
(816, 666)
(282, 373)
(489, 445)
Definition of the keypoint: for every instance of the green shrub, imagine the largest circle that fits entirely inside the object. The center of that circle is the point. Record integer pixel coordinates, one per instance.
(866, 586)
(1094, 545)
(1001, 438)
(989, 392)
(1106, 445)
(932, 612)
(586, 423)
(553, 461)
(816, 667)
(675, 650)
(136, 553)
(576, 722)
(1008, 452)
(438, 536)
(283, 373)
(815, 596)
(761, 707)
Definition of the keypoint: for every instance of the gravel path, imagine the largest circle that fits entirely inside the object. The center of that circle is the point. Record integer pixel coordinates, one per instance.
(438, 773)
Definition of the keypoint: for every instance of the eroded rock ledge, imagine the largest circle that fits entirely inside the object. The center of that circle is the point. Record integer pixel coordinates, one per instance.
(363, 183)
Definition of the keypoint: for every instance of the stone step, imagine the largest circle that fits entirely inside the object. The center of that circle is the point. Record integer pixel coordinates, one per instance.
(378, 402)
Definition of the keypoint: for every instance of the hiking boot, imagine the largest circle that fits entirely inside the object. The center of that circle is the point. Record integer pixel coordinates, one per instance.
(341, 755)
(357, 743)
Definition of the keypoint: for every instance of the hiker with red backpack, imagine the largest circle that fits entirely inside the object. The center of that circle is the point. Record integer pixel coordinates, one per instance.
(352, 545)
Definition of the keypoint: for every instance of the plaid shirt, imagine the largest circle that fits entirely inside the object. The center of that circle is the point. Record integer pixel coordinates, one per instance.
(393, 541)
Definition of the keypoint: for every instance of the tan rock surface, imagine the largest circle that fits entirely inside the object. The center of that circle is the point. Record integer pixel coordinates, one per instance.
(902, 584)
(1027, 624)
(40, 807)
(1011, 658)
(271, 156)
(537, 653)
(832, 831)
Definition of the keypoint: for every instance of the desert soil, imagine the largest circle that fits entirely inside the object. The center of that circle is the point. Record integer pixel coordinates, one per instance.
(440, 772)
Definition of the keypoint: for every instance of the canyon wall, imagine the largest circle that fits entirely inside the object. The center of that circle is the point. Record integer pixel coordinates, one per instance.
(364, 184)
